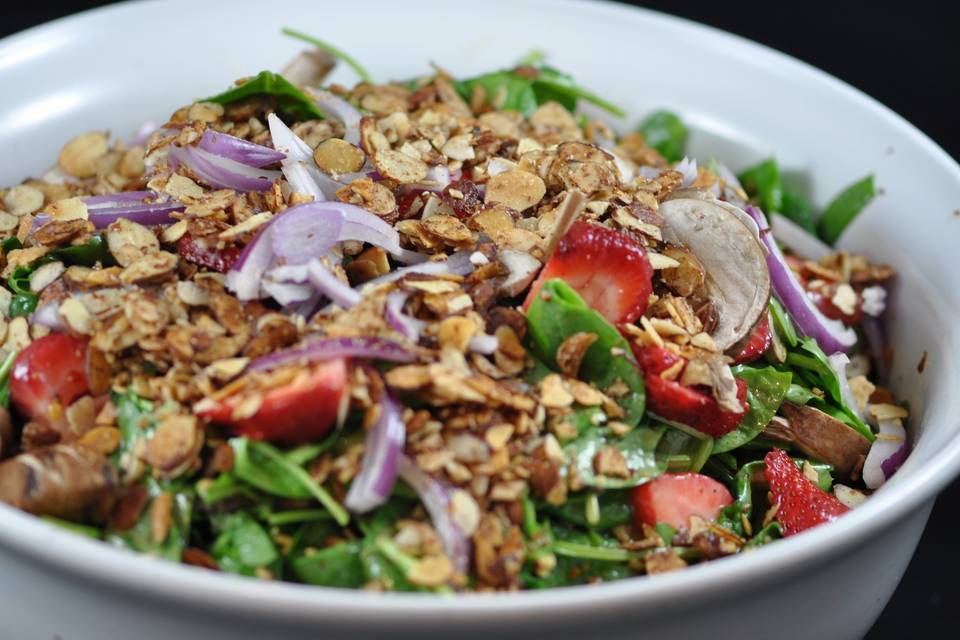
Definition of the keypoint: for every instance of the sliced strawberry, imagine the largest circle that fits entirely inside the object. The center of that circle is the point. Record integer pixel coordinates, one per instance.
(48, 376)
(674, 497)
(609, 269)
(758, 343)
(206, 254)
(802, 503)
(687, 405)
(823, 298)
(301, 410)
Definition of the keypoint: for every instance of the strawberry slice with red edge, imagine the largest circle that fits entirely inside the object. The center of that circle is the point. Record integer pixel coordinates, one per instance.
(802, 504)
(693, 406)
(48, 376)
(301, 410)
(758, 343)
(206, 254)
(674, 497)
(609, 269)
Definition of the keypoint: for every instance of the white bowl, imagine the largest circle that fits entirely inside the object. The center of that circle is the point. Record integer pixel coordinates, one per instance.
(115, 67)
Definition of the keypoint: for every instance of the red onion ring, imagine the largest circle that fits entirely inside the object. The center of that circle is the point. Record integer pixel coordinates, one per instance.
(239, 150)
(831, 335)
(331, 348)
(220, 172)
(381, 456)
(886, 454)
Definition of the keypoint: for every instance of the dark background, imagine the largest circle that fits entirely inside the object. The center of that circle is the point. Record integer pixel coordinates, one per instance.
(906, 55)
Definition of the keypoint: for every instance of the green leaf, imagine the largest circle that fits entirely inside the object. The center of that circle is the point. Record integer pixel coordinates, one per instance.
(766, 389)
(615, 510)
(11, 244)
(5, 369)
(334, 51)
(762, 181)
(87, 255)
(665, 132)
(293, 102)
(783, 324)
(810, 358)
(81, 529)
(844, 208)
(799, 394)
(135, 418)
(243, 546)
(336, 566)
(766, 535)
(733, 515)
(223, 487)
(559, 312)
(263, 466)
(505, 90)
(23, 304)
(140, 537)
(639, 448)
(796, 208)
(682, 451)
(666, 532)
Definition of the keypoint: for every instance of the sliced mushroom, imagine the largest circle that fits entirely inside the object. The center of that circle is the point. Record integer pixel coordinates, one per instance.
(737, 279)
(820, 436)
(309, 68)
(73, 483)
(522, 267)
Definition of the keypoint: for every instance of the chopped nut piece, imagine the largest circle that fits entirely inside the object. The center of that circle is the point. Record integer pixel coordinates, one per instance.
(432, 571)
(76, 316)
(23, 199)
(572, 350)
(554, 393)
(610, 462)
(456, 332)
(150, 269)
(79, 156)
(516, 189)
(68, 209)
(664, 561)
(338, 156)
(129, 241)
(399, 166)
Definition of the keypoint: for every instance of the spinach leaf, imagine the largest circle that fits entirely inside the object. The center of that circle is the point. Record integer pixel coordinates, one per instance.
(614, 510)
(336, 566)
(88, 254)
(783, 324)
(766, 389)
(5, 369)
(762, 181)
(638, 447)
(11, 244)
(811, 359)
(682, 451)
(733, 516)
(223, 487)
(559, 312)
(24, 301)
(135, 418)
(799, 394)
(243, 546)
(140, 537)
(263, 466)
(290, 100)
(844, 208)
(665, 132)
(766, 535)
(333, 51)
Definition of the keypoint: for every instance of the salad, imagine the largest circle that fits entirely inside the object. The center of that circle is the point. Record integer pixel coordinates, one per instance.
(443, 334)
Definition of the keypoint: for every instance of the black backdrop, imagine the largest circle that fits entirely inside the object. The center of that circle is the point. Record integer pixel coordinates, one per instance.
(907, 55)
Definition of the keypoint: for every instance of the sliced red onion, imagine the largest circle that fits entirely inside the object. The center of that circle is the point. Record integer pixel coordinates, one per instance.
(246, 274)
(222, 173)
(406, 325)
(797, 238)
(299, 168)
(303, 178)
(286, 293)
(48, 315)
(103, 211)
(117, 199)
(437, 498)
(483, 343)
(337, 107)
(886, 454)
(143, 134)
(383, 449)
(688, 168)
(648, 173)
(831, 335)
(458, 264)
(307, 231)
(331, 286)
(286, 141)
(839, 362)
(330, 348)
(239, 150)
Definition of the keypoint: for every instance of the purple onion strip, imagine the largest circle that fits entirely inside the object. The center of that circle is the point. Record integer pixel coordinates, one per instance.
(239, 150)
(330, 348)
(381, 456)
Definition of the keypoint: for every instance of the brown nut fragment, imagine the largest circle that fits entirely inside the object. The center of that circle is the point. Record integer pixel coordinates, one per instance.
(150, 269)
(571, 351)
(338, 156)
(456, 332)
(370, 195)
(447, 228)
(104, 440)
(23, 199)
(688, 276)
(79, 156)
(57, 232)
(398, 166)
(516, 189)
(129, 241)
(610, 462)
(173, 443)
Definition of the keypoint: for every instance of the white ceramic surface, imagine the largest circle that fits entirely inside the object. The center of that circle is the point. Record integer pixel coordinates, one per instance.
(116, 67)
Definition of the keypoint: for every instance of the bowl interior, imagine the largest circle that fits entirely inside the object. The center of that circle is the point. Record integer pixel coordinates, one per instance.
(744, 103)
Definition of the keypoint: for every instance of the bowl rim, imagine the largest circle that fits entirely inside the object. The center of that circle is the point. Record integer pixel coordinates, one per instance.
(87, 559)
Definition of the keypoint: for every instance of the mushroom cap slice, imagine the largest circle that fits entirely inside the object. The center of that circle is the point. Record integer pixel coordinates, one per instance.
(820, 436)
(737, 279)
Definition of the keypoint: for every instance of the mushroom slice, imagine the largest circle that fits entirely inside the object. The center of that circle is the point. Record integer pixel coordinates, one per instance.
(820, 436)
(73, 483)
(737, 279)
